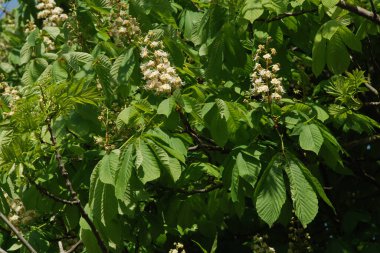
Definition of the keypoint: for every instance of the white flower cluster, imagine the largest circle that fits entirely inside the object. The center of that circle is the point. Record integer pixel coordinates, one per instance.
(159, 75)
(260, 246)
(49, 44)
(124, 27)
(30, 26)
(264, 78)
(179, 248)
(12, 96)
(52, 15)
(17, 214)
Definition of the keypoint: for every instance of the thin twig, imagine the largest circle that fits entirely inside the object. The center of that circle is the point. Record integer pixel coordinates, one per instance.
(2, 251)
(17, 233)
(359, 11)
(287, 14)
(74, 194)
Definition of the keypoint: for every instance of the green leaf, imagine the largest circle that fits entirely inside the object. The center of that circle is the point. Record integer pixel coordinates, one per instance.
(270, 192)
(217, 126)
(350, 39)
(338, 59)
(304, 199)
(330, 3)
(313, 182)
(311, 138)
(166, 106)
(146, 163)
(52, 31)
(108, 167)
(319, 54)
(329, 28)
(171, 165)
(252, 10)
(235, 179)
(125, 172)
(249, 168)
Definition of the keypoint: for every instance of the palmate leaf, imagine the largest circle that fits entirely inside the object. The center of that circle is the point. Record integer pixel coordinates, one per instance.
(305, 202)
(270, 194)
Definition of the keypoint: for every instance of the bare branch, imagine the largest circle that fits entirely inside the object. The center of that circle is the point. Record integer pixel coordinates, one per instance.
(371, 88)
(363, 141)
(201, 141)
(213, 186)
(359, 11)
(72, 249)
(2, 251)
(51, 195)
(17, 233)
(287, 14)
(373, 103)
(74, 194)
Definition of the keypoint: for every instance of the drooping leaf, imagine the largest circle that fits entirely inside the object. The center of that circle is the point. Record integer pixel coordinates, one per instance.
(270, 192)
(304, 199)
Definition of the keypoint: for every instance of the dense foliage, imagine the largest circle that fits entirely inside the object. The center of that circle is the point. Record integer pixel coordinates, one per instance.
(197, 126)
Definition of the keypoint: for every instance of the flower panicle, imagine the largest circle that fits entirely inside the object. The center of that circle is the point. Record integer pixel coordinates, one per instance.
(50, 13)
(157, 71)
(264, 76)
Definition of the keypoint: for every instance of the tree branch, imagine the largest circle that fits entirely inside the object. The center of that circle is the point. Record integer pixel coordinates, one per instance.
(371, 88)
(207, 189)
(72, 249)
(198, 139)
(17, 233)
(359, 11)
(363, 141)
(74, 194)
(2, 251)
(45, 192)
(373, 8)
(286, 14)
(373, 103)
